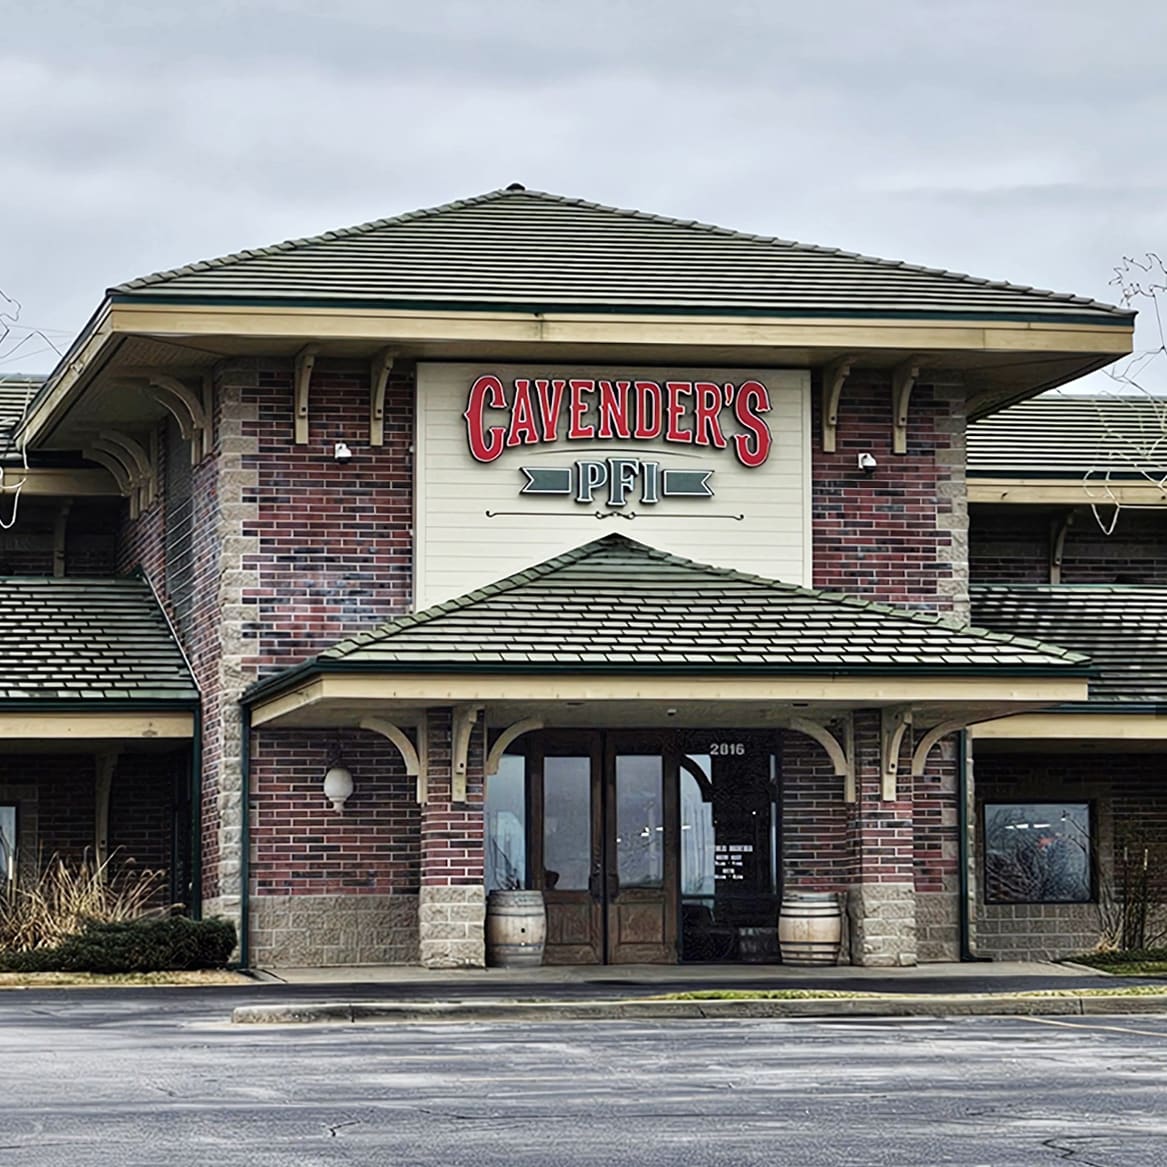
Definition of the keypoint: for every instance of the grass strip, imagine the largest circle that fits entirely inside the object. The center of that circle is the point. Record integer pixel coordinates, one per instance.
(67, 980)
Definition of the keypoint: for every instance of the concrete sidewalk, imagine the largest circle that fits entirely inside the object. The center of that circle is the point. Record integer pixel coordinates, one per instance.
(398, 993)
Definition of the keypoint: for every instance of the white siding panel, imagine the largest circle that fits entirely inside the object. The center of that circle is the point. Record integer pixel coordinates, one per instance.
(468, 533)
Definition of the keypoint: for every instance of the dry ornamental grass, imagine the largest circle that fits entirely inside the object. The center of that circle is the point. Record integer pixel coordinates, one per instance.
(67, 894)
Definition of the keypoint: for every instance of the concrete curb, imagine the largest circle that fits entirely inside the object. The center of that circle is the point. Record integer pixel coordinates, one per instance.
(641, 1010)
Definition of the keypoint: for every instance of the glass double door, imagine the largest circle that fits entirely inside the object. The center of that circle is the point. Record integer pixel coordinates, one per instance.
(602, 846)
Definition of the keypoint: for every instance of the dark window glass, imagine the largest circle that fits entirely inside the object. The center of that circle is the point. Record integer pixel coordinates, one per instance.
(7, 845)
(1037, 853)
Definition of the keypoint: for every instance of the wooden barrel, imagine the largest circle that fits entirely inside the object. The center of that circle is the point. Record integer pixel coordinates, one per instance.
(810, 928)
(516, 929)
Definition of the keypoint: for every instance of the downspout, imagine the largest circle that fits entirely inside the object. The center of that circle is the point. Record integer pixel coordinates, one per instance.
(245, 837)
(196, 816)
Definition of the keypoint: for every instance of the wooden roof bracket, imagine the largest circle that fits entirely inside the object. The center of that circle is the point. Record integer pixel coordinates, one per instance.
(1059, 528)
(121, 475)
(841, 753)
(379, 369)
(903, 381)
(834, 377)
(187, 410)
(925, 744)
(504, 739)
(413, 756)
(135, 463)
(465, 718)
(301, 381)
(893, 724)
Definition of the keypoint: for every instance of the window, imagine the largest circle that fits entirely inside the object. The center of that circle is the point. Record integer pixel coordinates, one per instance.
(506, 825)
(7, 846)
(1038, 853)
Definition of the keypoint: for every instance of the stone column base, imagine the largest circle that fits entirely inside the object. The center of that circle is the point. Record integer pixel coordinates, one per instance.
(882, 917)
(452, 926)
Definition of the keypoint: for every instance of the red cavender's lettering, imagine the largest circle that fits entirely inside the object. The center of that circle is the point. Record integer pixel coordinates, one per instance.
(523, 431)
(677, 408)
(577, 430)
(707, 406)
(550, 395)
(649, 411)
(750, 402)
(613, 406)
(485, 443)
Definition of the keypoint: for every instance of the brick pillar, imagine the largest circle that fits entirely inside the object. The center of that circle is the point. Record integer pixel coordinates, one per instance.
(452, 909)
(881, 902)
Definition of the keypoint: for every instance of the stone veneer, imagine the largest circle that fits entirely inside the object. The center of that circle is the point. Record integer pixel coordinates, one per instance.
(882, 919)
(452, 926)
(324, 930)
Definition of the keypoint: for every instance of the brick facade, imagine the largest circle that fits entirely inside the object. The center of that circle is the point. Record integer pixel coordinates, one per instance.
(1129, 822)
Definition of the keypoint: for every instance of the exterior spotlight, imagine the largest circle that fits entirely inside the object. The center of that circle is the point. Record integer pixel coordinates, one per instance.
(341, 452)
(338, 786)
(867, 463)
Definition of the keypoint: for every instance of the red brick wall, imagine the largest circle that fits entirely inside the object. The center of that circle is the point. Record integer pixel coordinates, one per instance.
(882, 840)
(816, 848)
(452, 848)
(65, 799)
(935, 818)
(1010, 544)
(878, 535)
(141, 808)
(300, 846)
(335, 553)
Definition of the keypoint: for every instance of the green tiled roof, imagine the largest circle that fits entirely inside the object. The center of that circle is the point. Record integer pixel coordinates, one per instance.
(1122, 627)
(87, 640)
(618, 605)
(526, 248)
(16, 391)
(1063, 435)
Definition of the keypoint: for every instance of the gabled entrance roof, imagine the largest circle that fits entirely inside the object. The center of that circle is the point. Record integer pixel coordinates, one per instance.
(526, 249)
(615, 603)
(617, 623)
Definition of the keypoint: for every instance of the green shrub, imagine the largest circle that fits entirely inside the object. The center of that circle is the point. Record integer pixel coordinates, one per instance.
(160, 944)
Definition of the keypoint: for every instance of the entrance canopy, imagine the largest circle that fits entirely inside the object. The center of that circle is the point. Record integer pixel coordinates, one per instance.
(617, 633)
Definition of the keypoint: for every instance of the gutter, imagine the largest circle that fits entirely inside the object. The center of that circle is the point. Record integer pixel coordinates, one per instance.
(244, 838)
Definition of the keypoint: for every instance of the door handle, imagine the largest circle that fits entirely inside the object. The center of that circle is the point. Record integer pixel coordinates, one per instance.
(596, 884)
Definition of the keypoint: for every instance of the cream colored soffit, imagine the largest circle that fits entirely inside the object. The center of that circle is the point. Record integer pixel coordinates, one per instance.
(1054, 726)
(1080, 491)
(355, 323)
(80, 726)
(441, 689)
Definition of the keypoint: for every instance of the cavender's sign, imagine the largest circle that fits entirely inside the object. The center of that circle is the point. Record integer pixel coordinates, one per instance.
(536, 411)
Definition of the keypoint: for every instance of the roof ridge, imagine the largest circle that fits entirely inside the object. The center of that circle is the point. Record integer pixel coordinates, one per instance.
(651, 217)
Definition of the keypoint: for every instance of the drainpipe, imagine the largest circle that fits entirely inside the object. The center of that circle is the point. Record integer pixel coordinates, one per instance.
(962, 818)
(196, 816)
(245, 837)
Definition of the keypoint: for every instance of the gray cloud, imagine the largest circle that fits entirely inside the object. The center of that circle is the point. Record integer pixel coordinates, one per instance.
(1018, 141)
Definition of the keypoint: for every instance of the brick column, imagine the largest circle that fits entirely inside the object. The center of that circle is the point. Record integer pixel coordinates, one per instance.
(881, 902)
(452, 909)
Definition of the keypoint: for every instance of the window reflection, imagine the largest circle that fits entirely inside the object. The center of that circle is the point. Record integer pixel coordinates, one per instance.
(640, 840)
(7, 844)
(506, 825)
(567, 823)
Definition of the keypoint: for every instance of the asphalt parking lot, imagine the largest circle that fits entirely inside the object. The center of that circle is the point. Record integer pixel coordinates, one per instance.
(85, 1083)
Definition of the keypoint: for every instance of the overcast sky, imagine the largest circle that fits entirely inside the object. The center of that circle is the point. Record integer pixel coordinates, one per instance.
(1013, 139)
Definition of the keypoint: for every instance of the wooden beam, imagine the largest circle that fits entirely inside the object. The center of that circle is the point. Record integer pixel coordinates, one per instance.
(1059, 528)
(379, 369)
(305, 362)
(465, 717)
(834, 375)
(893, 724)
(105, 764)
(929, 740)
(903, 381)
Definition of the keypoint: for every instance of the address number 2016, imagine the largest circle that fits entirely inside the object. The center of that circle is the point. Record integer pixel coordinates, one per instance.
(726, 749)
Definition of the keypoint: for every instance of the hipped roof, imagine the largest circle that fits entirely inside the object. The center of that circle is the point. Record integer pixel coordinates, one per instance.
(528, 249)
(615, 605)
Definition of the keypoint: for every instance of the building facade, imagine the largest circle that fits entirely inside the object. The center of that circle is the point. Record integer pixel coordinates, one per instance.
(642, 563)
